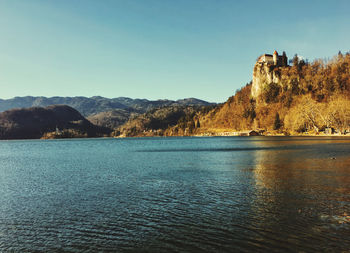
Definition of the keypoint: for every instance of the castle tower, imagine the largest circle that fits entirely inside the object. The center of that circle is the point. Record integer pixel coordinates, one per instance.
(275, 58)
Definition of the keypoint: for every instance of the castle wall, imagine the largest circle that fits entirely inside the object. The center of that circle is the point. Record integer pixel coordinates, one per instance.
(266, 58)
(277, 60)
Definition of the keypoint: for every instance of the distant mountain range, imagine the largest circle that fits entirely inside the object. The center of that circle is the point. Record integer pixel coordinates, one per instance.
(93, 105)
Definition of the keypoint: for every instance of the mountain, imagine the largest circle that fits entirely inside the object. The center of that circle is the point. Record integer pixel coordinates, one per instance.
(38, 122)
(93, 105)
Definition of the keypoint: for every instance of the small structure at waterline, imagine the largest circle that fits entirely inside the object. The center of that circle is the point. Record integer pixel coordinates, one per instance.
(249, 133)
(253, 133)
(329, 130)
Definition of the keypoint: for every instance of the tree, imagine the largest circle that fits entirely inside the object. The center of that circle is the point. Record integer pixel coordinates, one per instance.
(339, 112)
(304, 115)
(295, 60)
(277, 124)
(198, 125)
(191, 126)
(284, 58)
(270, 93)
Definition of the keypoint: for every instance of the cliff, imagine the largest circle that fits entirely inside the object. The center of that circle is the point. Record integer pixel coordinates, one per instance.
(263, 76)
(267, 72)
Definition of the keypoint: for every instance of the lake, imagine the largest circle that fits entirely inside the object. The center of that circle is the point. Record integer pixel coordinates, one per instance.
(218, 194)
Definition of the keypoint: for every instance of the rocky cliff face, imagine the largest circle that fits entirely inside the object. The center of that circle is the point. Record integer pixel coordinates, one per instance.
(264, 74)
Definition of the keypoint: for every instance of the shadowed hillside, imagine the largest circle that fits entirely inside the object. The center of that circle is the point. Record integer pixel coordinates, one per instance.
(36, 122)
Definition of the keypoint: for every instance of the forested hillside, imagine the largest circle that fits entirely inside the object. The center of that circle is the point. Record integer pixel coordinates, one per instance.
(159, 122)
(309, 97)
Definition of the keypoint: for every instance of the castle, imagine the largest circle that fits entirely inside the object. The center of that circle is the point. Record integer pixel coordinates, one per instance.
(275, 59)
(266, 71)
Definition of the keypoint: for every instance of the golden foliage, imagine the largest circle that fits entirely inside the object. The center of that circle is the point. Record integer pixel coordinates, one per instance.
(308, 97)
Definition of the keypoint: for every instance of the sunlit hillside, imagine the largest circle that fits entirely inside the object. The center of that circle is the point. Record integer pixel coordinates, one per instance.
(309, 97)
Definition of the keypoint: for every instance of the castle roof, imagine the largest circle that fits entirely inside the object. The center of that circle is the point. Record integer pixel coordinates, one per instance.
(275, 52)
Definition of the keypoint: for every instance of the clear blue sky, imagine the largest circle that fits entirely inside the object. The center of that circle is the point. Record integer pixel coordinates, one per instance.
(157, 49)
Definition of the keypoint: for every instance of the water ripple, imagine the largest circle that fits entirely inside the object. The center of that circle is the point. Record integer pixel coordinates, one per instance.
(175, 195)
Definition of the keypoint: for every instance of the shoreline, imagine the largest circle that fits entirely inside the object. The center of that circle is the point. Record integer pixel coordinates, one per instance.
(172, 136)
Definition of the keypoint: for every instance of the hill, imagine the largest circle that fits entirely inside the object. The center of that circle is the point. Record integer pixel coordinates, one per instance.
(111, 119)
(157, 122)
(93, 105)
(302, 98)
(50, 122)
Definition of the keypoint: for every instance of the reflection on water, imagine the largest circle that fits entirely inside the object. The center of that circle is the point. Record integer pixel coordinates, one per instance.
(304, 195)
(224, 194)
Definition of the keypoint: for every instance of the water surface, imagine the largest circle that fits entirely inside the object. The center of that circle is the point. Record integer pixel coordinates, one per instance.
(225, 194)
